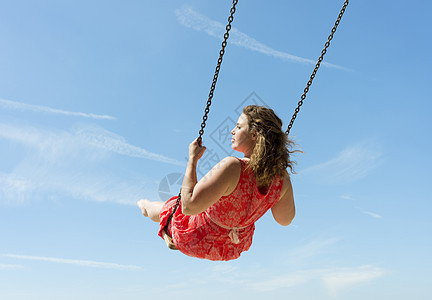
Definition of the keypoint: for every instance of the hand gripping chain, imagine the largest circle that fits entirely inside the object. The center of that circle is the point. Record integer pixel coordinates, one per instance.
(206, 111)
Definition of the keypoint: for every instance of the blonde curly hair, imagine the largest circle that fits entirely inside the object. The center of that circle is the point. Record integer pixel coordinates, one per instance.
(271, 154)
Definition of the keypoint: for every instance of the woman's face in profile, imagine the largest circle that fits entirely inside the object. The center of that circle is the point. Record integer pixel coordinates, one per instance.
(242, 140)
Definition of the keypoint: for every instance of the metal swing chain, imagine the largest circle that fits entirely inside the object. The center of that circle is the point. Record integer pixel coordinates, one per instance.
(216, 74)
(210, 97)
(320, 59)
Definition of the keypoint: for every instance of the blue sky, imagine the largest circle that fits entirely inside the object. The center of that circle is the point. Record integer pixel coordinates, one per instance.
(99, 102)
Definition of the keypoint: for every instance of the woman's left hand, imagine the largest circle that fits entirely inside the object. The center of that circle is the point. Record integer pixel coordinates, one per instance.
(195, 150)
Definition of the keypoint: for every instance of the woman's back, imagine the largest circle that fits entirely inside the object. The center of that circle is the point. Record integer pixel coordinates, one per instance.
(246, 204)
(225, 229)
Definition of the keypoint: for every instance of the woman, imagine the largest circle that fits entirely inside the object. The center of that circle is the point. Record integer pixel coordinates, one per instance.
(216, 216)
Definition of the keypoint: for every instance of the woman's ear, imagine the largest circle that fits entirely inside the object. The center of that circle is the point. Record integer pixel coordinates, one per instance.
(254, 135)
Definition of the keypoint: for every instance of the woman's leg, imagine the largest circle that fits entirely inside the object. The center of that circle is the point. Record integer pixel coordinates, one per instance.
(150, 209)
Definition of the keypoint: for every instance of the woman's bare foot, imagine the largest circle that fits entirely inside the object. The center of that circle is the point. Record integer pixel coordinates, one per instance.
(142, 204)
(151, 209)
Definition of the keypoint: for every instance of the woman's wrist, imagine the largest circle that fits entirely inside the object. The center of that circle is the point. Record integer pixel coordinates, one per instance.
(193, 160)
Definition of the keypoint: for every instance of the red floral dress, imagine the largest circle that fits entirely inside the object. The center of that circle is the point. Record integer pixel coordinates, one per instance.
(224, 230)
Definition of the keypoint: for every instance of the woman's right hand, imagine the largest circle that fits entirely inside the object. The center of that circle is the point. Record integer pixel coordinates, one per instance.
(195, 150)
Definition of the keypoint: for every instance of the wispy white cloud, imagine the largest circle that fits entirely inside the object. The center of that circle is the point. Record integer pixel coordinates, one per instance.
(112, 142)
(280, 279)
(351, 164)
(289, 280)
(15, 189)
(311, 249)
(77, 262)
(9, 104)
(373, 215)
(296, 277)
(223, 269)
(347, 197)
(33, 182)
(369, 213)
(336, 280)
(73, 163)
(11, 267)
(340, 280)
(89, 137)
(192, 19)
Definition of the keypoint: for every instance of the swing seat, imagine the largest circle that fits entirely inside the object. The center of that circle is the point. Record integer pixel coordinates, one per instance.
(168, 240)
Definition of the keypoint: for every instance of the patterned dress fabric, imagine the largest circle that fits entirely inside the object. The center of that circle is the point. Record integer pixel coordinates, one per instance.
(224, 230)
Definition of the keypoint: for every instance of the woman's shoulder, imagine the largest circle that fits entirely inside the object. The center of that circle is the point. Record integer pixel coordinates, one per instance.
(231, 163)
(227, 164)
(231, 172)
(232, 160)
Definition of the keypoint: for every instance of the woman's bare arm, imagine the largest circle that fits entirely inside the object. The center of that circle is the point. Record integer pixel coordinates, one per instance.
(284, 211)
(219, 181)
